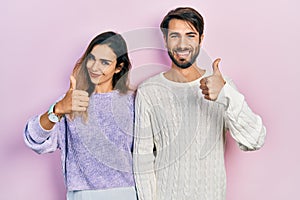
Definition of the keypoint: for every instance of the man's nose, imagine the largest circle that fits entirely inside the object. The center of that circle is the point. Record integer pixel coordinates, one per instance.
(183, 43)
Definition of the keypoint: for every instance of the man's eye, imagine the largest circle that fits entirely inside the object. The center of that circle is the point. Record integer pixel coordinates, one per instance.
(174, 36)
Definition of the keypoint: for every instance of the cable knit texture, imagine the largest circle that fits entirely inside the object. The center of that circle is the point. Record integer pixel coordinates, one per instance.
(179, 139)
(95, 154)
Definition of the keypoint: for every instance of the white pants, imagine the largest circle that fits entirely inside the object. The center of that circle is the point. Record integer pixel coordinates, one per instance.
(127, 193)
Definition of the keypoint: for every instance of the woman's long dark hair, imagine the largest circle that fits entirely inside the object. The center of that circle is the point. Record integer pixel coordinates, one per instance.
(118, 45)
(119, 81)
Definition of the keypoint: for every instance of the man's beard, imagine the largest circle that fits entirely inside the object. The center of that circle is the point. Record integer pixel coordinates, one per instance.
(185, 64)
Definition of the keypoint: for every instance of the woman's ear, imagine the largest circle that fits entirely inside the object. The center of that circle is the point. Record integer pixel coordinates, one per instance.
(119, 68)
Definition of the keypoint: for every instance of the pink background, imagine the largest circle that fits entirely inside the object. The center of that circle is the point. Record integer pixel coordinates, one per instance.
(258, 42)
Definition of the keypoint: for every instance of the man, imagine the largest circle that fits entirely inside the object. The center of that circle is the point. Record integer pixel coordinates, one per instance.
(181, 118)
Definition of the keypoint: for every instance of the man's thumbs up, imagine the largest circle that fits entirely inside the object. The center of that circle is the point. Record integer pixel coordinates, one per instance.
(215, 66)
(212, 85)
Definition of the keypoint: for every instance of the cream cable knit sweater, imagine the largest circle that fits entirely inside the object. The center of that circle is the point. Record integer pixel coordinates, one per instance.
(179, 139)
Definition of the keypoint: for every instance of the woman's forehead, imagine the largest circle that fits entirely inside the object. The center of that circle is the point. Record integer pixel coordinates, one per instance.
(103, 51)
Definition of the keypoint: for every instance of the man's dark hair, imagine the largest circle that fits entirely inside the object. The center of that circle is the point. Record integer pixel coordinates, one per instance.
(187, 14)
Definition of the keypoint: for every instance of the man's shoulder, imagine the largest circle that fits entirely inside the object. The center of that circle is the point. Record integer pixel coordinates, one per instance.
(151, 82)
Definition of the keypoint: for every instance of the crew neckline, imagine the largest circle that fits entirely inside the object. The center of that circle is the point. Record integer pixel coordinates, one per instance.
(106, 93)
(182, 84)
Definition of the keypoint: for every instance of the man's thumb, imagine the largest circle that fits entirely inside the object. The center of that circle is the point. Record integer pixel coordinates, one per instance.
(72, 83)
(215, 66)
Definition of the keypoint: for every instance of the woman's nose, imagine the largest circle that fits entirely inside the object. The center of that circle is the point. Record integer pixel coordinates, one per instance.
(97, 66)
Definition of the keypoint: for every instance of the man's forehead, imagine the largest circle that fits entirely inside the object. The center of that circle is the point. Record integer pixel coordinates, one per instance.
(177, 25)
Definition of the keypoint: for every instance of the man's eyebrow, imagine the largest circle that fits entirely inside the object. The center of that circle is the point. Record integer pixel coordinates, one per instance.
(173, 32)
(191, 33)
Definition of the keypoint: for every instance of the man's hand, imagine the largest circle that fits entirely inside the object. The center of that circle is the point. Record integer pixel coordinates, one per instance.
(74, 100)
(212, 85)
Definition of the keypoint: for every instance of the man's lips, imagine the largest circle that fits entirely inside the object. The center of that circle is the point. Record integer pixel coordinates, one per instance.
(182, 54)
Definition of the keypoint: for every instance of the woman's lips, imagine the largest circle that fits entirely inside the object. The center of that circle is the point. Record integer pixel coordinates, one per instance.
(93, 75)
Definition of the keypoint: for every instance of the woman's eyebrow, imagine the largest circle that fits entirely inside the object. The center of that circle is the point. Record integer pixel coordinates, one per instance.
(104, 59)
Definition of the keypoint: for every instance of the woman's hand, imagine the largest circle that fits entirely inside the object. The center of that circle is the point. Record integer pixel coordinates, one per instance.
(74, 100)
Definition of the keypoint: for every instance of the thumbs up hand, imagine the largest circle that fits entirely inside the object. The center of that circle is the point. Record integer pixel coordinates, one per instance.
(212, 85)
(74, 100)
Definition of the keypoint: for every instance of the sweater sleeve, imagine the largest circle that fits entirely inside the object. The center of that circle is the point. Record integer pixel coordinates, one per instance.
(143, 155)
(41, 140)
(245, 126)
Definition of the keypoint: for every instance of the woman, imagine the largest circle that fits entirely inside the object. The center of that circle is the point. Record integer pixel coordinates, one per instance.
(92, 124)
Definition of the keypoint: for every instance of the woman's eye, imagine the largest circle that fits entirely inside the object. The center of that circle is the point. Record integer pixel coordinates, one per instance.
(90, 57)
(104, 62)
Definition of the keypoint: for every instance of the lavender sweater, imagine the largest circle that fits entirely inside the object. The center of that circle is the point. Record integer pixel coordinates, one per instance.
(96, 154)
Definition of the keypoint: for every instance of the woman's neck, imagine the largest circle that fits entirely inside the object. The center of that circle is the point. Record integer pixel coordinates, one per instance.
(103, 88)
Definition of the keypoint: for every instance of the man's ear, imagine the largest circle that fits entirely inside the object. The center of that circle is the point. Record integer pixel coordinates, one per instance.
(119, 68)
(165, 41)
(201, 40)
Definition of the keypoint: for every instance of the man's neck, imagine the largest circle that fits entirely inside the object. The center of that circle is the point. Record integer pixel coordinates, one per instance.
(180, 75)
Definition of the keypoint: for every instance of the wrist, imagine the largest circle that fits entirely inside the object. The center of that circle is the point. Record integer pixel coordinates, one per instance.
(57, 109)
(52, 116)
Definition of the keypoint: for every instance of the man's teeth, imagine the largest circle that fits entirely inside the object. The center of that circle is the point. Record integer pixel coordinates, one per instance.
(183, 53)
